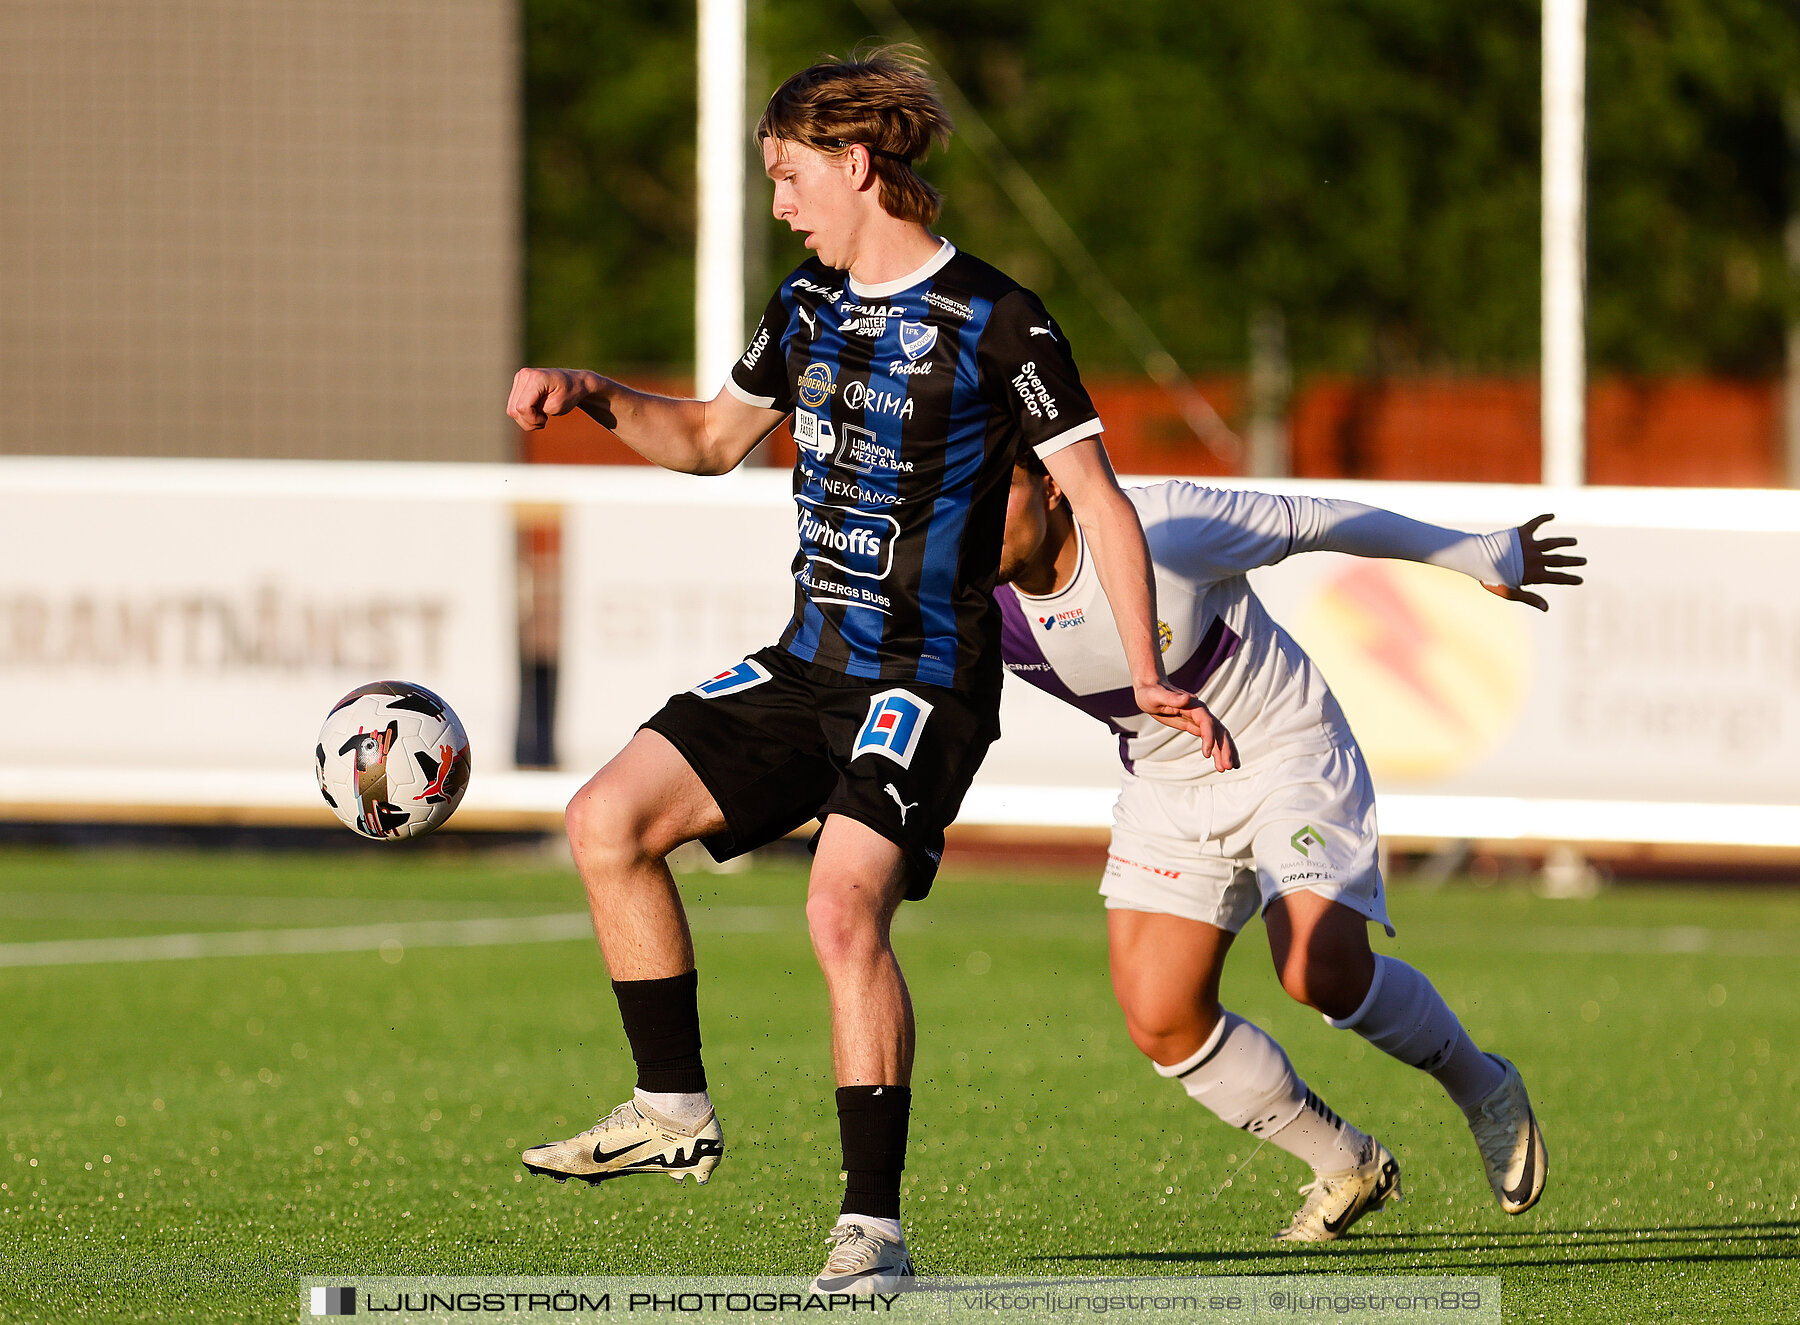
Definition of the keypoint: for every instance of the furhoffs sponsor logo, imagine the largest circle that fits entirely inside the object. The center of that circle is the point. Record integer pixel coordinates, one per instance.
(857, 542)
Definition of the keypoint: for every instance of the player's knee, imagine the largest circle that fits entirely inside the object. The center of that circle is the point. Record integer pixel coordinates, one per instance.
(1168, 1030)
(842, 930)
(1329, 987)
(606, 828)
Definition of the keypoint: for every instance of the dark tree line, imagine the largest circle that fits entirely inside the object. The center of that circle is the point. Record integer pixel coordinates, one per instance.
(1367, 167)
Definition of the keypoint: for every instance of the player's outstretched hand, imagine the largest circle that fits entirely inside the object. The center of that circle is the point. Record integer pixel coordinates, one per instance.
(538, 393)
(1185, 713)
(1541, 562)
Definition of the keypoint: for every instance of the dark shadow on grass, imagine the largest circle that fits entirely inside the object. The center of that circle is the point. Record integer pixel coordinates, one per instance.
(1229, 1262)
(1771, 1228)
(1553, 1247)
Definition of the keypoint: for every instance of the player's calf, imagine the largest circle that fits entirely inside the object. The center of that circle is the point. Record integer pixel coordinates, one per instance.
(1244, 1077)
(1405, 1017)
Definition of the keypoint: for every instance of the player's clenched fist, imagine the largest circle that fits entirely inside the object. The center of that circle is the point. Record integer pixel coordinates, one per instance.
(538, 393)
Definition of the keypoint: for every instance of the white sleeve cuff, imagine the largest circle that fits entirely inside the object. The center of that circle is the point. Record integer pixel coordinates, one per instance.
(761, 402)
(1080, 432)
(1326, 524)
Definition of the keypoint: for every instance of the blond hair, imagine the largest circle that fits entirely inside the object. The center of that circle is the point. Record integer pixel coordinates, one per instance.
(883, 100)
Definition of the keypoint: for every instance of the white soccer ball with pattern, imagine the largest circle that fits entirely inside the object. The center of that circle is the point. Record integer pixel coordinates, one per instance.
(392, 760)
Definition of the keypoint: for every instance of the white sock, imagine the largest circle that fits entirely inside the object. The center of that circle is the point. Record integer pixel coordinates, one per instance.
(1403, 1016)
(889, 1228)
(1243, 1076)
(687, 1109)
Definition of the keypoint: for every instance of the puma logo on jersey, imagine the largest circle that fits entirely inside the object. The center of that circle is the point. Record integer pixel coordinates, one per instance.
(812, 325)
(904, 807)
(1043, 331)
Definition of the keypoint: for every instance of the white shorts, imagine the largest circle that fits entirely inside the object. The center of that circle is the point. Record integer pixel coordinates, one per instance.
(1219, 851)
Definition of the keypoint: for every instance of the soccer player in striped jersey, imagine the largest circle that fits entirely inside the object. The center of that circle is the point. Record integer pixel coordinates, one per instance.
(914, 375)
(1197, 851)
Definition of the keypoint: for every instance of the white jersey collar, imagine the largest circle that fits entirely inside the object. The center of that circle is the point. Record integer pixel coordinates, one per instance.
(935, 264)
(1081, 564)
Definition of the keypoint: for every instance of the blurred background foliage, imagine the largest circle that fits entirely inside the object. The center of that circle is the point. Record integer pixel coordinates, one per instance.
(1367, 167)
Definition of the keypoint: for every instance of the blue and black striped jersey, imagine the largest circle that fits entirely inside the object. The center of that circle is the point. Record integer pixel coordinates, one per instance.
(910, 403)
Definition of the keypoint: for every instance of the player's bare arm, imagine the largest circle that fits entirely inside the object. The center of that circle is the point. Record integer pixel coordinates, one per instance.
(1543, 565)
(688, 436)
(1122, 560)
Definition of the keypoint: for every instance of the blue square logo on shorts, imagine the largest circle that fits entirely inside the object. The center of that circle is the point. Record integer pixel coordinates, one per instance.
(895, 722)
(733, 679)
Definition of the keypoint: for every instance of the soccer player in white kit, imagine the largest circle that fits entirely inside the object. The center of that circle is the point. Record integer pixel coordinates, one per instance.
(1196, 852)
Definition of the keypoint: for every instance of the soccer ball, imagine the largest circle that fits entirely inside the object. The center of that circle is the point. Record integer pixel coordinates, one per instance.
(392, 760)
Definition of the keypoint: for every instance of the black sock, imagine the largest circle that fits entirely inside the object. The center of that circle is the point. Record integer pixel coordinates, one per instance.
(872, 1124)
(662, 1021)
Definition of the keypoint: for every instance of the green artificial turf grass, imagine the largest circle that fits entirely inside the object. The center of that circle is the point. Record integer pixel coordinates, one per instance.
(192, 1120)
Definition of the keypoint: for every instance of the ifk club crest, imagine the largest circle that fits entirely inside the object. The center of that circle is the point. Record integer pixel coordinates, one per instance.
(917, 338)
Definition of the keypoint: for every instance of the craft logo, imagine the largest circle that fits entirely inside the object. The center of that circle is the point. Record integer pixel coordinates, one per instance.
(895, 722)
(857, 542)
(334, 1301)
(733, 679)
(1305, 839)
(917, 338)
(815, 384)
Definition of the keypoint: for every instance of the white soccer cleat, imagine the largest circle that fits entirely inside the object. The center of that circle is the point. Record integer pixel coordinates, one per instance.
(863, 1260)
(633, 1138)
(1512, 1147)
(1334, 1201)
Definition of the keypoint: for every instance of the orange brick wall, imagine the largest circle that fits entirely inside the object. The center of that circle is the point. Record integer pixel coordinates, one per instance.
(1699, 432)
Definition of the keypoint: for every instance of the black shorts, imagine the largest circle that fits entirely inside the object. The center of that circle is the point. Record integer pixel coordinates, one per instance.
(778, 742)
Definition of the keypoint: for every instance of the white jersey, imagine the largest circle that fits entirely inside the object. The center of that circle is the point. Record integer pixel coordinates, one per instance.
(1218, 640)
